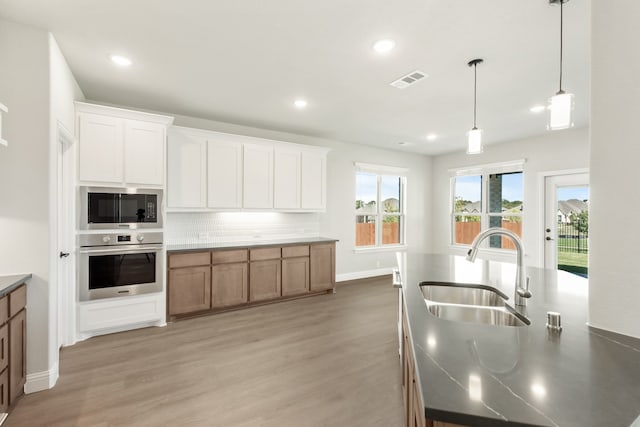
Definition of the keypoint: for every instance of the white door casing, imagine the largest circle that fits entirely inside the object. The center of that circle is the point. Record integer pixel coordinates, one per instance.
(550, 220)
(66, 287)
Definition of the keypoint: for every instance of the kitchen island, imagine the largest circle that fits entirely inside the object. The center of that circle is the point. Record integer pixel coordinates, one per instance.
(484, 375)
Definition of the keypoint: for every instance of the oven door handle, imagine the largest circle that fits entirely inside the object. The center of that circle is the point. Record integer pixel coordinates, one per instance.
(120, 250)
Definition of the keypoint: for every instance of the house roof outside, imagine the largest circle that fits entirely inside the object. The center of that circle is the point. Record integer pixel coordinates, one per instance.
(567, 207)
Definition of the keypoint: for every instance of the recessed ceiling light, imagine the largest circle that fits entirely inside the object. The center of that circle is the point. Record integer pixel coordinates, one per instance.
(300, 103)
(384, 46)
(119, 60)
(537, 109)
(432, 137)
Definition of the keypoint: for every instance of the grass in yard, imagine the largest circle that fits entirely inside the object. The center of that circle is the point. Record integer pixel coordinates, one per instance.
(573, 263)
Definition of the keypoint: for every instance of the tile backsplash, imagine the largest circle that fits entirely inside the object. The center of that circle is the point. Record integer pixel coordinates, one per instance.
(216, 227)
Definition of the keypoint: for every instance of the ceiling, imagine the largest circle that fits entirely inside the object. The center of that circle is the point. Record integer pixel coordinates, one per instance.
(246, 61)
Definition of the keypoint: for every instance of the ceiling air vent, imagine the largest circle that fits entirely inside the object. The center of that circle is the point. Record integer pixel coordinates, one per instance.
(411, 78)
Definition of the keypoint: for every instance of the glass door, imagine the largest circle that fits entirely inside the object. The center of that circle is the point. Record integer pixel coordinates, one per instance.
(567, 223)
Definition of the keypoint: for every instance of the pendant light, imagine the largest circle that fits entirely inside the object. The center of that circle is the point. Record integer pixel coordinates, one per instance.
(560, 105)
(474, 141)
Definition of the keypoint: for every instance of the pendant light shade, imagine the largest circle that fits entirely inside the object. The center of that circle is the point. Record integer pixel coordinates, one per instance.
(561, 111)
(561, 104)
(474, 141)
(474, 136)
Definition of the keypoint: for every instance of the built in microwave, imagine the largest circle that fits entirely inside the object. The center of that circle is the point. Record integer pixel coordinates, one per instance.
(119, 208)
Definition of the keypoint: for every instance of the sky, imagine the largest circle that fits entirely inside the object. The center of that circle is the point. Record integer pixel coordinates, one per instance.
(468, 187)
(580, 193)
(366, 187)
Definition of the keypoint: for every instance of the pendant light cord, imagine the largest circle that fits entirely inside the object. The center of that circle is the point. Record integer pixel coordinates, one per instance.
(475, 90)
(561, 21)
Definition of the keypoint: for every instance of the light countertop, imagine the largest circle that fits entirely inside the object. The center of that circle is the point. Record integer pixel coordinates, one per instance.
(247, 244)
(9, 283)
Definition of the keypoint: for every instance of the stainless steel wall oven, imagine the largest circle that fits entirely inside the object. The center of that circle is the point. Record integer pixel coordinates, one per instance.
(119, 264)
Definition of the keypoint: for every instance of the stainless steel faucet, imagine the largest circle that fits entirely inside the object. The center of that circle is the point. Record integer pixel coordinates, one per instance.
(522, 281)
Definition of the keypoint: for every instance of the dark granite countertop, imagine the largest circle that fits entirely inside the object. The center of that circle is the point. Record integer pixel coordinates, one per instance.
(9, 283)
(247, 244)
(482, 375)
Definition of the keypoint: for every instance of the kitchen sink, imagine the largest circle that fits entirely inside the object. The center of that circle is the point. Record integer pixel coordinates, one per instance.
(497, 316)
(454, 293)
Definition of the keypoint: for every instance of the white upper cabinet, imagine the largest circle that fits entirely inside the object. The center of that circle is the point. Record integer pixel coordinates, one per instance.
(101, 145)
(313, 180)
(258, 176)
(286, 182)
(143, 153)
(120, 147)
(225, 173)
(186, 170)
(217, 171)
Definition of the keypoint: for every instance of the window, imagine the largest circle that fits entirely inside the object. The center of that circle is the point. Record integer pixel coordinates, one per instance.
(484, 197)
(380, 218)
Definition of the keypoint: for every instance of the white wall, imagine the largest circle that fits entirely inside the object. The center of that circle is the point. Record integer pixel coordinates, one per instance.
(553, 151)
(24, 176)
(38, 88)
(63, 90)
(339, 220)
(614, 283)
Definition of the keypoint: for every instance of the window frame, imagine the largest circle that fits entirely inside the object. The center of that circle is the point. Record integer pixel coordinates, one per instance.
(484, 171)
(379, 171)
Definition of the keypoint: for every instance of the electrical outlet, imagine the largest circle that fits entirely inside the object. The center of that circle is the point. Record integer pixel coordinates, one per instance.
(378, 264)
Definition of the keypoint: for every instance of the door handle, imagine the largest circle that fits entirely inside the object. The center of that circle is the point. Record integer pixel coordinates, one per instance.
(64, 254)
(548, 238)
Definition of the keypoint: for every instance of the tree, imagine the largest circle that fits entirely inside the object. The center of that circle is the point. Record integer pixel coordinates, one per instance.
(580, 221)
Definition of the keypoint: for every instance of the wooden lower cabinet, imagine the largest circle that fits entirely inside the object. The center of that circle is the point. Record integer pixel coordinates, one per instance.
(229, 283)
(295, 276)
(412, 396)
(17, 355)
(189, 290)
(13, 346)
(4, 391)
(322, 267)
(222, 279)
(265, 280)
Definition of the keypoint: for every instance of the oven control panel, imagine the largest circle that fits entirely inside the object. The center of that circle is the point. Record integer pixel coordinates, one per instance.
(115, 239)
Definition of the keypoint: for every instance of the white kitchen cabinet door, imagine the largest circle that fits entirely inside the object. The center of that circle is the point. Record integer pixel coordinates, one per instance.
(143, 153)
(286, 179)
(101, 148)
(224, 174)
(186, 171)
(313, 181)
(258, 177)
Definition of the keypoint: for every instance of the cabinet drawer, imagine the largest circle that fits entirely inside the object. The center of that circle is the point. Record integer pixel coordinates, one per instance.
(223, 257)
(265, 253)
(17, 300)
(191, 259)
(4, 309)
(294, 251)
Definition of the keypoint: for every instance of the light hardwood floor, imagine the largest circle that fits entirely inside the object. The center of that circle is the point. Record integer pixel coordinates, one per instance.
(328, 360)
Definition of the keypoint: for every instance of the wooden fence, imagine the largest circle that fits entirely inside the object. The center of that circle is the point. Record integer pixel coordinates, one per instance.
(366, 233)
(467, 231)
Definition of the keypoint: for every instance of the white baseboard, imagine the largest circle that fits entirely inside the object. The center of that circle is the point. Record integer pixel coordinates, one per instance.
(44, 380)
(363, 274)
